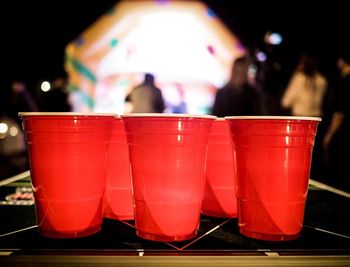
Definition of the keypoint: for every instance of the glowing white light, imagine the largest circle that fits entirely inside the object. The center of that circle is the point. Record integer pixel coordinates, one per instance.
(274, 38)
(3, 128)
(168, 48)
(13, 131)
(261, 56)
(175, 44)
(45, 86)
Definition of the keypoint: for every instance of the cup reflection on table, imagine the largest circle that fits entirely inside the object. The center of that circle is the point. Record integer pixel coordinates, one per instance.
(220, 190)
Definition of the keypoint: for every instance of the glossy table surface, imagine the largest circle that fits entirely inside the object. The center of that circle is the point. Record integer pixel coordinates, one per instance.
(324, 241)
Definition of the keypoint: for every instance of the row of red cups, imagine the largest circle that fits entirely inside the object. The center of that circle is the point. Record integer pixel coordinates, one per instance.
(219, 172)
(80, 168)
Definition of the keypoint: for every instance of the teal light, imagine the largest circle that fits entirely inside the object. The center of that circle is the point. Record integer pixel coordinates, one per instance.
(114, 42)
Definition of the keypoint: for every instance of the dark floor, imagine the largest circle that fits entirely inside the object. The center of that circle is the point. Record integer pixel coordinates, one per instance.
(324, 240)
(326, 231)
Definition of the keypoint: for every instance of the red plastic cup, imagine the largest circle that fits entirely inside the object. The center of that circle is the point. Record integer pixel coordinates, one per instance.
(167, 156)
(273, 157)
(118, 201)
(67, 157)
(220, 190)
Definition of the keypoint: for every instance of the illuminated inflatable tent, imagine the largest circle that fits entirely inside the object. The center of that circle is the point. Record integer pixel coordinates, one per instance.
(183, 43)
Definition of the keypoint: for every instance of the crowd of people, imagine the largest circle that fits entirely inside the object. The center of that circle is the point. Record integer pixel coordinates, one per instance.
(308, 92)
(19, 98)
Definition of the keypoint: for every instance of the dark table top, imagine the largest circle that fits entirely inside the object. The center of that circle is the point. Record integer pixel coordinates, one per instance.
(326, 233)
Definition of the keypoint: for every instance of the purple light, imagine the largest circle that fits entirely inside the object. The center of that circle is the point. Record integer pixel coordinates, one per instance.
(79, 41)
(211, 49)
(261, 56)
(162, 2)
(240, 47)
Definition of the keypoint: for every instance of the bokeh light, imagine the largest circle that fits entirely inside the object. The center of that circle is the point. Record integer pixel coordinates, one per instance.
(45, 86)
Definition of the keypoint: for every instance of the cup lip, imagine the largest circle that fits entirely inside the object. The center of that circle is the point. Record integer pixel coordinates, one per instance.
(220, 119)
(167, 115)
(305, 118)
(66, 114)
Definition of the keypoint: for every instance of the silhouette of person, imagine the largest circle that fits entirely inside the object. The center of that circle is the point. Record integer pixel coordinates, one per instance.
(56, 99)
(180, 106)
(336, 141)
(21, 100)
(270, 79)
(13, 149)
(306, 89)
(146, 97)
(237, 97)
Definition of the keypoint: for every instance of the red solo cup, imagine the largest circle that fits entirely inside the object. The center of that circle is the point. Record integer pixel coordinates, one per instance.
(118, 201)
(67, 158)
(273, 157)
(220, 191)
(167, 156)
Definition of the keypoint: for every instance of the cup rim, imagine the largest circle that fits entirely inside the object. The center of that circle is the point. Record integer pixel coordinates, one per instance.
(65, 114)
(305, 118)
(167, 115)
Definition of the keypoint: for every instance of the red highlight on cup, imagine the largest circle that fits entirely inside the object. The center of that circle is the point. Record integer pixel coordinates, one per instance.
(220, 191)
(273, 157)
(67, 157)
(167, 156)
(118, 201)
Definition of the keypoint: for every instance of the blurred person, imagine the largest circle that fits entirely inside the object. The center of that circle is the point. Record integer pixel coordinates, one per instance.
(306, 89)
(13, 150)
(304, 96)
(56, 99)
(180, 106)
(21, 100)
(237, 97)
(336, 141)
(146, 97)
(271, 79)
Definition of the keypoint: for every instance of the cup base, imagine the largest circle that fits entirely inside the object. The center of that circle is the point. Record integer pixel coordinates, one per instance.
(124, 217)
(60, 235)
(218, 214)
(268, 237)
(165, 238)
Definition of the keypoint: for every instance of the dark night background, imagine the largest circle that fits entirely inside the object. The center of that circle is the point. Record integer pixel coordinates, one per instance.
(34, 33)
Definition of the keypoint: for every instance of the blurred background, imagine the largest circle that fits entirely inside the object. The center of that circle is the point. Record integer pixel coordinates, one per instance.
(89, 55)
